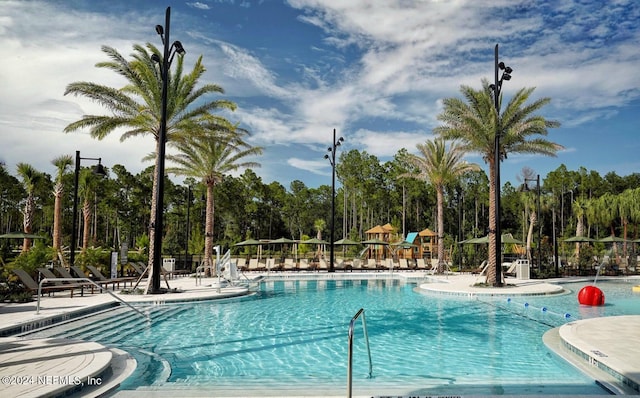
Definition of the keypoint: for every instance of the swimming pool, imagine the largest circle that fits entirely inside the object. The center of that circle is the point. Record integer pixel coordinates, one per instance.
(291, 337)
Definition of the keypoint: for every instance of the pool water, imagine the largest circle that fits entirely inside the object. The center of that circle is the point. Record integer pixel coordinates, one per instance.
(293, 335)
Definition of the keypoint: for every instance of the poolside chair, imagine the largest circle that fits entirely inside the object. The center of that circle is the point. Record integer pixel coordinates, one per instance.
(403, 264)
(271, 265)
(139, 267)
(304, 265)
(322, 265)
(28, 282)
(370, 265)
(62, 271)
(289, 265)
(114, 281)
(241, 263)
(420, 265)
(356, 264)
(253, 264)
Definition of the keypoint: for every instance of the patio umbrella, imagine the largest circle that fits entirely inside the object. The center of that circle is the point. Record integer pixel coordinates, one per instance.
(611, 239)
(283, 241)
(579, 239)
(315, 241)
(506, 239)
(252, 242)
(346, 242)
(20, 235)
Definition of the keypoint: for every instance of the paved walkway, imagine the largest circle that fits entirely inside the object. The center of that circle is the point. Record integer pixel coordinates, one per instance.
(607, 348)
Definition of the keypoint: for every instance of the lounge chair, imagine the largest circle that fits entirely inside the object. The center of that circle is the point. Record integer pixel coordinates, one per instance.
(403, 264)
(289, 265)
(139, 267)
(271, 265)
(322, 265)
(356, 264)
(32, 285)
(62, 271)
(241, 263)
(482, 269)
(114, 281)
(370, 265)
(304, 265)
(253, 265)
(420, 265)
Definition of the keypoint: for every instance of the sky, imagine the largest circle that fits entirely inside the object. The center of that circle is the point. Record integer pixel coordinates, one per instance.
(376, 71)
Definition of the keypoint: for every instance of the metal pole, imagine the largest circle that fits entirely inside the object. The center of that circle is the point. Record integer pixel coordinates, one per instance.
(186, 243)
(539, 225)
(74, 234)
(333, 201)
(496, 154)
(162, 138)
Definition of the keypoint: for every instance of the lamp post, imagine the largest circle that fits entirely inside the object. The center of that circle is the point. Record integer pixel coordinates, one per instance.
(332, 159)
(526, 188)
(165, 63)
(98, 170)
(497, 87)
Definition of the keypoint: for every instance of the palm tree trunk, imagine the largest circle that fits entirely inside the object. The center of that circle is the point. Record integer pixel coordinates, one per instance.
(86, 227)
(27, 222)
(152, 221)
(57, 215)
(440, 206)
(208, 233)
(492, 261)
(532, 221)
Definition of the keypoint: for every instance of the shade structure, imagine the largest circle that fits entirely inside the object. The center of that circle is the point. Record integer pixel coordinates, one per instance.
(249, 242)
(404, 244)
(611, 239)
(281, 241)
(346, 242)
(579, 239)
(506, 239)
(315, 241)
(20, 235)
(374, 242)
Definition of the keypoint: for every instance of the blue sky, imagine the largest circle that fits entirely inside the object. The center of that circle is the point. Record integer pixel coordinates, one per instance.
(376, 71)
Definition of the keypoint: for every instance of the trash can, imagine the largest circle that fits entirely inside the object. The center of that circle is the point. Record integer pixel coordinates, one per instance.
(522, 269)
(169, 264)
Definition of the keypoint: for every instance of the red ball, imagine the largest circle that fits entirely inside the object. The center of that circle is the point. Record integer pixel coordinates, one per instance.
(591, 295)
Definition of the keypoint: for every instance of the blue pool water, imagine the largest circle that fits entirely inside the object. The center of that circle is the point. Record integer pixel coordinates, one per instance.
(293, 334)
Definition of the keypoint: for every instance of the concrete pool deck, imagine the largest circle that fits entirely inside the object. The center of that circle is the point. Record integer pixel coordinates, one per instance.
(607, 349)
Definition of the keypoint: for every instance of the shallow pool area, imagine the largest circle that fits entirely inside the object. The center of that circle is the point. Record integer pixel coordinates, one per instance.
(291, 336)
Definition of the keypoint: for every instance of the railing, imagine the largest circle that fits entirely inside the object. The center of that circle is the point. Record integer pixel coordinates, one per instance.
(45, 280)
(350, 356)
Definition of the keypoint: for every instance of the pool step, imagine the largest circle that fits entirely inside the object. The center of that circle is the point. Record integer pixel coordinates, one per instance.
(108, 326)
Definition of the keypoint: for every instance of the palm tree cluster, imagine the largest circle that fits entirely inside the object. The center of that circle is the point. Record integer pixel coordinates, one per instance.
(433, 188)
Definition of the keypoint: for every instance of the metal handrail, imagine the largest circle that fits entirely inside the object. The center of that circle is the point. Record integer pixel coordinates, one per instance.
(86, 280)
(350, 355)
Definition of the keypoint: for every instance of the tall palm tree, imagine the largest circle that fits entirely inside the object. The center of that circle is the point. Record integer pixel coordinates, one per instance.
(476, 122)
(440, 166)
(208, 156)
(137, 106)
(62, 163)
(30, 179)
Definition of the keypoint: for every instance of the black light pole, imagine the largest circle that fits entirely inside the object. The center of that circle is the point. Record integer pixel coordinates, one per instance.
(165, 63)
(99, 170)
(526, 188)
(506, 75)
(332, 160)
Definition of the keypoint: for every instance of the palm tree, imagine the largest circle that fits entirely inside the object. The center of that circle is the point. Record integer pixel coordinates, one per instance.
(476, 123)
(440, 166)
(209, 156)
(62, 163)
(30, 178)
(137, 106)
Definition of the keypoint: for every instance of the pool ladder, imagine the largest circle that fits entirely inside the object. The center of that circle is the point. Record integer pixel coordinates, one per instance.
(350, 356)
